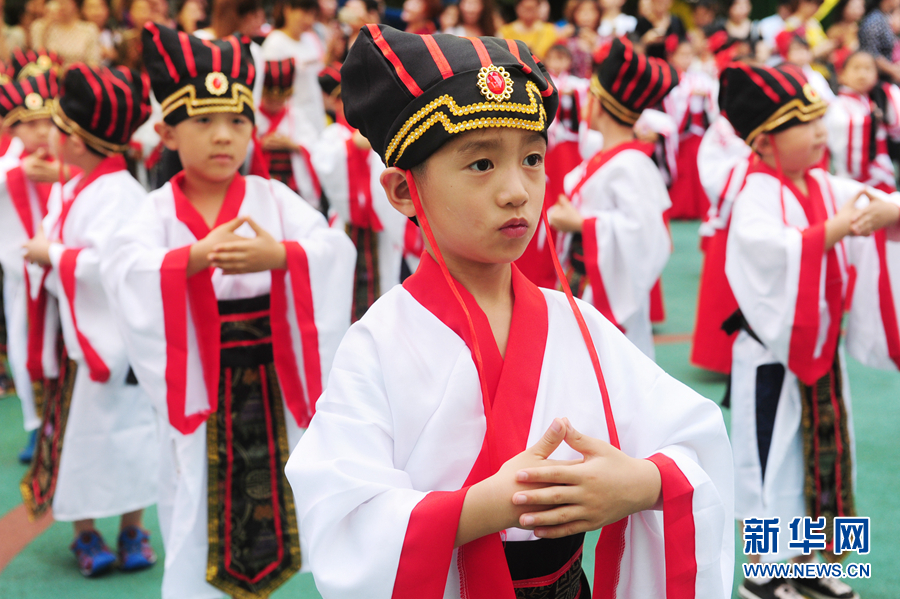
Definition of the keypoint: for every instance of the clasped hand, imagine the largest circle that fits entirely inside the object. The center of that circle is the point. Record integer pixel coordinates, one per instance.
(234, 254)
(879, 213)
(557, 498)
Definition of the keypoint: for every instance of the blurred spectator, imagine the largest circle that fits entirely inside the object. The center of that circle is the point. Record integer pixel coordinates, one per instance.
(97, 12)
(877, 37)
(326, 25)
(580, 35)
(738, 23)
(449, 18)
(188, 15)
(807, 26)
(356, 14)
(419, 15)
(294, 38)
(795, 50)
(18, 16)
(613, 22)
(772, 25)
(655, 23)
(537, 34)
(706, 17)
(476, 18)
(845, 30)
(62, 31)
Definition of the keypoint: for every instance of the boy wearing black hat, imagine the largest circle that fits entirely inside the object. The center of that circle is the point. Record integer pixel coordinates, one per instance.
(425, 468)
(620, 243)
(792, 267)
(233, 295)
(25, 108)
(285, 135)
(106, 422)
(349, 170)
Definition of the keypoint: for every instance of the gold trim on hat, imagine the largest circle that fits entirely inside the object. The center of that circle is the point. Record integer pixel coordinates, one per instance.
(61, 120)
(216, 83)
(21, 114)
(795, 109)
(611, 104)
(407, 135)
(241, 96)
(35, 69)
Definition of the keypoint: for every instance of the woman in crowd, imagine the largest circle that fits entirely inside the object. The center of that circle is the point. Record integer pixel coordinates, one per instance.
(476, 18)
(62, 31)
(878, 39)
(419, 15)
(580, 34)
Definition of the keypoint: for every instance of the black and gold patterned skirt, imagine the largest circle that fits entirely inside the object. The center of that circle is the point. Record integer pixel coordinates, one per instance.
(366, 283)
(53, 398)
(254, 544)
(548, 568)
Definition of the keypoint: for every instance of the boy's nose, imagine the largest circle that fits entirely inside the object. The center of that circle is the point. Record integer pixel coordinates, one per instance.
(514, 192)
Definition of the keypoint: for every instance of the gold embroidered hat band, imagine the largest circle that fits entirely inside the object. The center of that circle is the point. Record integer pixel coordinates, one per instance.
(409, 94)
(28, 99)
(194, 77)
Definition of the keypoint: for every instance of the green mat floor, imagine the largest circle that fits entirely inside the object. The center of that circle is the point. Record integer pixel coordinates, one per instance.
(46, 569)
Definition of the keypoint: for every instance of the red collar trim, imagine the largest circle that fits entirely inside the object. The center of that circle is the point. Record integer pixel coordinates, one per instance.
(187, 214)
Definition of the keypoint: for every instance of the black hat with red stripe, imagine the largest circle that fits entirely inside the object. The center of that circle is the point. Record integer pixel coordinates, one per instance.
(628, 82)
(767, 99)
(330, 79)
(279, 80)
(408, 94)
(193, 77)
(28, 99)
(102, 106)
(28, 63)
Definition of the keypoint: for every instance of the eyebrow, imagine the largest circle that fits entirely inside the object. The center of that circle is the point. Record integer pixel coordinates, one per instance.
(475, 146)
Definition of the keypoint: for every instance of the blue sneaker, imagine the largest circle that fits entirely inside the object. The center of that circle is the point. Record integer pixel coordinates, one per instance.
(26, 455)
(93, 556)
(135, 552)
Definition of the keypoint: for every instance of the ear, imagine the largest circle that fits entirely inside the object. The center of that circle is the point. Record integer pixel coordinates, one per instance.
(167, 135)
(393, 180)
(762, 145)
(79, 148)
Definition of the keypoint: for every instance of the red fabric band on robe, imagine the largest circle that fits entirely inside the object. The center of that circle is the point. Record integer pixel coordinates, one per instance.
(592, 266)
(886, 299)
(359, 187)
(98, 369)
(176, 291)
(18, 193)
(301, 405)
(679, 529)
(37, 311)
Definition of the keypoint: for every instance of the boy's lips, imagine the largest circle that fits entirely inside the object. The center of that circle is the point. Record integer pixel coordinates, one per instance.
(515, 228)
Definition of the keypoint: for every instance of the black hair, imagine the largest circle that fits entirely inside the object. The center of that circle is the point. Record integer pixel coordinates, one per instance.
(278, 11)
(13, 11)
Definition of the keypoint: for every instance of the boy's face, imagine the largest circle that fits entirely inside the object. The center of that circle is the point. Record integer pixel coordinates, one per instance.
(557, 62)
(799, 54)
(860, 73)
(34, 134)
(802, 146)
(682, 57)
(483, 192)
(272, 104)
(211, 147)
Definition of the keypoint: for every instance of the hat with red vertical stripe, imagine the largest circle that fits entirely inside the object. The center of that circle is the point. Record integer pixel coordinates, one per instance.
(408, 94)
(193, 77)
(28, 99)
(330, 79)
(279, 80)
(28, 63)
(102, 106)
(767, 99)
(628, 82)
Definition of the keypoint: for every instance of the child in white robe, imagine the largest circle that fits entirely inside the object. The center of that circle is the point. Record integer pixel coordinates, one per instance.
(791, 268)
(233, 294)
(104, 468)
(615, 201)
(423, 472)
(23, 203)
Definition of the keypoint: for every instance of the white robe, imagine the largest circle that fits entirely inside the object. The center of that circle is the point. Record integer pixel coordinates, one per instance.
(765, 269)
(108, 466)
(15, 300)
(623, 203)
(329, 158)
(132, 275)
(722, 162)
(403, 416)
(299, 131)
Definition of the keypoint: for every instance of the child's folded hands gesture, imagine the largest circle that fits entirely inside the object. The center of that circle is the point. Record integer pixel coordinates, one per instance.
(879, 213)
(235, 254)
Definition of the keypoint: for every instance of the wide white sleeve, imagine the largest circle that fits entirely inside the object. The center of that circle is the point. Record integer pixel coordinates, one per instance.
(844, 141)
(130, 269)
(354, 503)
(661, 419)
(95, 217)
(329, 159)
(626, 237)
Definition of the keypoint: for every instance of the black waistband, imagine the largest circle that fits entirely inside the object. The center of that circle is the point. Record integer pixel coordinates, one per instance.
(547, 567)
(245, 332)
